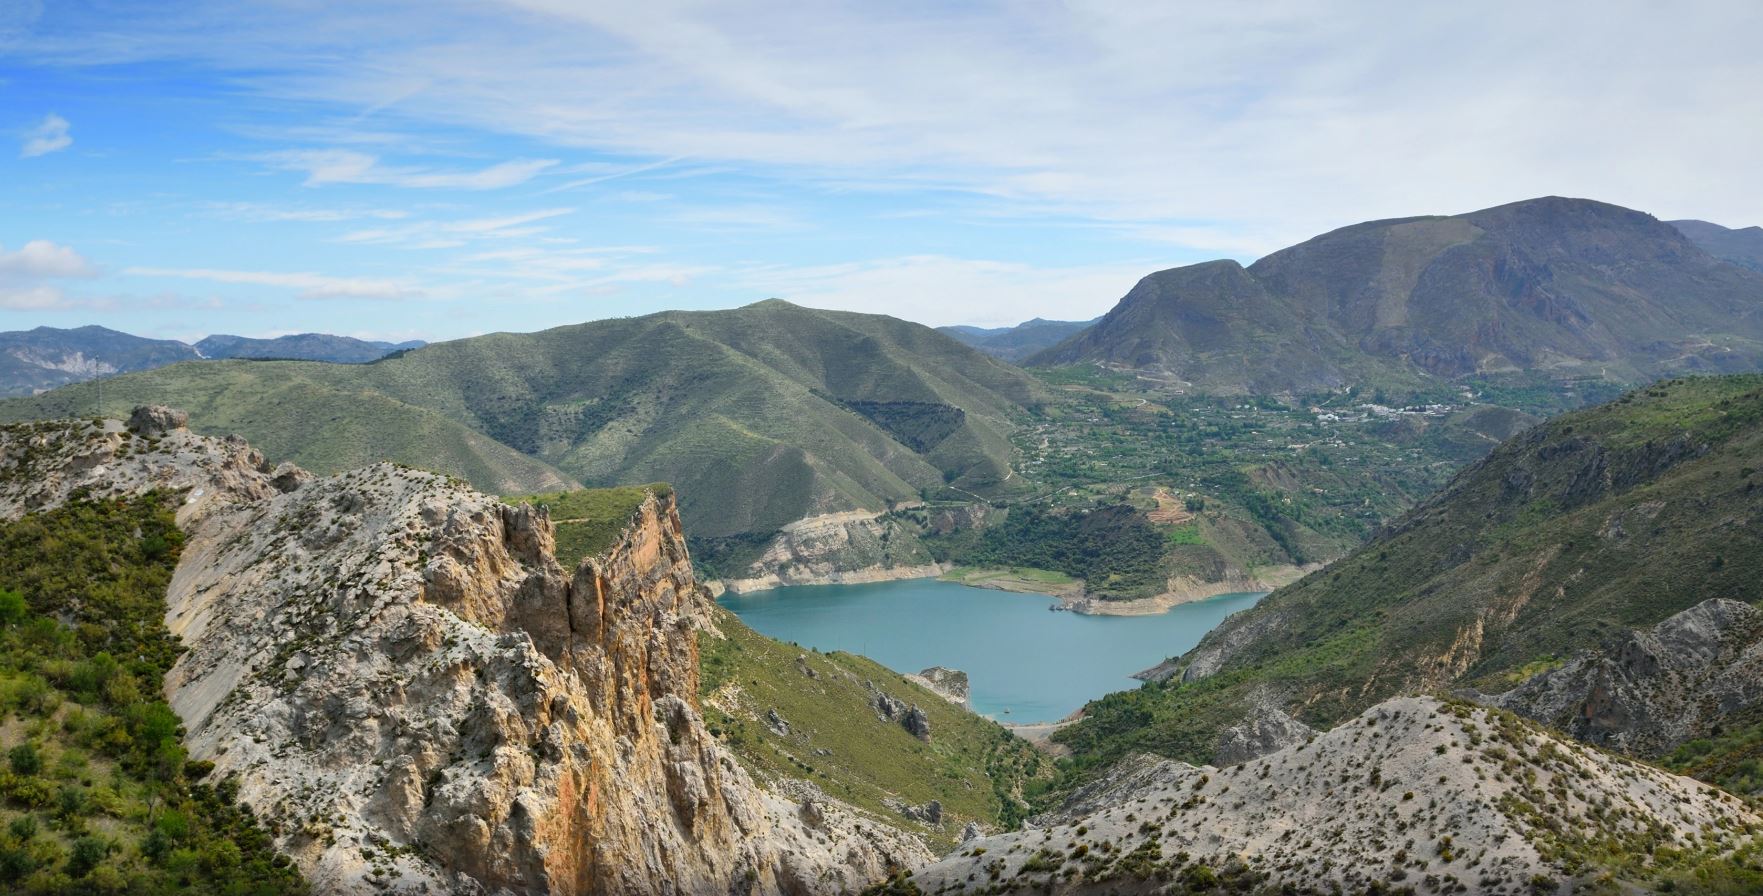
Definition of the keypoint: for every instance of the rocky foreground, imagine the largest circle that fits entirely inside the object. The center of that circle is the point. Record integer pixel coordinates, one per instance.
(1416, 792)
(416, 697)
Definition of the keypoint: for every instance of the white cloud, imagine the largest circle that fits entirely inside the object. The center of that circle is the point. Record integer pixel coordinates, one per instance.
(940, 291)
(50, 135)
(24, 270)
(41, 259)
(306, 285)
(343, 166)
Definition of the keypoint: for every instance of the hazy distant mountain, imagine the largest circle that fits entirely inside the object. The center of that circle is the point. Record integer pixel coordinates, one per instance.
(47, 357)
(37, 360)
(1018, 342)
(302, 347)
(1567, 286)
(1743, 246)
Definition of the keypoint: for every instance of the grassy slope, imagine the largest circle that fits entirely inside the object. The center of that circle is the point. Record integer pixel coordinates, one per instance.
(979, 771)
(759, 415)
(96, 795)
(1519, 548)
(589, 521)
(312, 414)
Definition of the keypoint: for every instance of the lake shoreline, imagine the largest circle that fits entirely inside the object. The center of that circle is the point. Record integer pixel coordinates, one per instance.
(1072, 596)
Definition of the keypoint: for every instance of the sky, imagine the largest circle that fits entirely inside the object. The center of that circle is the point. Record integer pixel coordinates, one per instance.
(440, 169)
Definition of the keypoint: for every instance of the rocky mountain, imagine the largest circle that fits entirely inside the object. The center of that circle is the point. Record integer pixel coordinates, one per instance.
(1016, 343)
(303, 347)
(761, 416)
(415, 696)
(1570, 287)
(38, 360)
(1742, 246)
(1413, 793)
(1569, 537)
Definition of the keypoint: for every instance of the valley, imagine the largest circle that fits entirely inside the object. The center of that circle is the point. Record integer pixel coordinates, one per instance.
(826, 647)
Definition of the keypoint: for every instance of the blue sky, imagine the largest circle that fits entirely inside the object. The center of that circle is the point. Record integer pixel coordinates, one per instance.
(439, 169)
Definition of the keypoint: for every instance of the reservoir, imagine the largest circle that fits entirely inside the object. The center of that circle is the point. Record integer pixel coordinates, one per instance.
(1024, 663)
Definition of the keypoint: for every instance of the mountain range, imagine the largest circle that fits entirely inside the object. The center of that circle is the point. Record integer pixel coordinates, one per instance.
(760, 416)
(1742, 246)
(1565, 287)
(1017, 343)
(43, 358)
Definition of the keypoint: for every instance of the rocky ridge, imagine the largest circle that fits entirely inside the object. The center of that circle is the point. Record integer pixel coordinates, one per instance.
(1440, 797)
(416, 697)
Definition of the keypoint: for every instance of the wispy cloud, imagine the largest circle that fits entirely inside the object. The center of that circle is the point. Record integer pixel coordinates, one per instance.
(305, 285)
(450, 234)
(1266, 118)
(343, 166)
(257, 211)
(49, 135)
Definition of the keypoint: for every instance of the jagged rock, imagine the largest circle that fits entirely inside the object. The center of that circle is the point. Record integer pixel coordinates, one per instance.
(803, 667)
(887, 707)
(1646, 692)
(149, 421)
(388, 657)
(930, 813)
(1266, 729)
(917, 723)
(971, 832)
(776, 723)
(1481, 797)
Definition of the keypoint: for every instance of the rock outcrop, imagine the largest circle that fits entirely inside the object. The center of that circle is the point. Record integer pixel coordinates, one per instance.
(1265, 729)
(1442, 797)
(1648, 691)
(415, 697)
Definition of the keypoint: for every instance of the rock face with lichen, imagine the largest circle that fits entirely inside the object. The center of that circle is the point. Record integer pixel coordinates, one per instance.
(416, 697)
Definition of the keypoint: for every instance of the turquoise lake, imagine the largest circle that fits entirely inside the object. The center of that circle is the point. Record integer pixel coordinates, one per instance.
(1024, 663)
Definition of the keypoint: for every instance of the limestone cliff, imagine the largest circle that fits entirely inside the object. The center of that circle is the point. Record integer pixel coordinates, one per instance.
(416, 697)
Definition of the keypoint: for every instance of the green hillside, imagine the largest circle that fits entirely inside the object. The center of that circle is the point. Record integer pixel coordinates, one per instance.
(977, 770)
(759, 415)
(1597, 522)
(96, 793)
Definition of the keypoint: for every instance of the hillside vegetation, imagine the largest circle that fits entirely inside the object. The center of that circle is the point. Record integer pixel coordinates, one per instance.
(1596, 523)
(588, 521)
(829, 731)
(97, 794)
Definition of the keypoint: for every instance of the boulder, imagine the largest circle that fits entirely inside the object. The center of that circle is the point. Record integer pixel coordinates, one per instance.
(150, 420)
